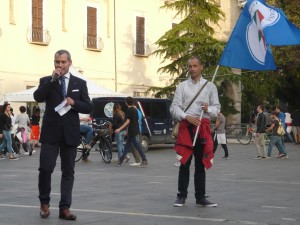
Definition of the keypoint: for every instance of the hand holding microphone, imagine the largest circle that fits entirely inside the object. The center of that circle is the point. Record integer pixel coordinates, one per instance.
(55, 75)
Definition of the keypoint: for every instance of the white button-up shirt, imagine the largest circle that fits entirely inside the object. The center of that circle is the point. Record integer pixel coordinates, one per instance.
(184, 94)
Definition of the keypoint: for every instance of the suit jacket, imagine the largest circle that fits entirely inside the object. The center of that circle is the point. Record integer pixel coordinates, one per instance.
(53, 124)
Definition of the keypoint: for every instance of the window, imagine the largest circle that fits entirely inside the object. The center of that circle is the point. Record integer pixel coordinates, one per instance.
(139, 94)
(11, 12)
(140, 36)
(155, 110)
(91, 27)
(37, 20)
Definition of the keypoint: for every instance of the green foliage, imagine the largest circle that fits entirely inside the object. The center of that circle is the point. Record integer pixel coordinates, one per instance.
(226, 101)
(192, 36)
(258, 88)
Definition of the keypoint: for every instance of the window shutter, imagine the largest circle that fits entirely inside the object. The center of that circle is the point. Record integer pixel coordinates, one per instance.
(140, 35)
(37, 20)
(91, 27)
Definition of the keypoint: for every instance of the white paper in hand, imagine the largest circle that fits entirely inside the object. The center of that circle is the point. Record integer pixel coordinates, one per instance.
(62, 109)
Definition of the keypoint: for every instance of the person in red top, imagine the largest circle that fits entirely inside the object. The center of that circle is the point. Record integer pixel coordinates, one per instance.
(206, 104)
(35, 127)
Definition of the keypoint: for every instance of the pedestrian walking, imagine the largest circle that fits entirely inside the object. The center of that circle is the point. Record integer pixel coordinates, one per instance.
(221, 134)
(133, 132)
(259, 140)
(275, 138)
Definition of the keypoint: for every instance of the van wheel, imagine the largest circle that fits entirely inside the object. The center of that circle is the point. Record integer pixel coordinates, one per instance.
(144, 143)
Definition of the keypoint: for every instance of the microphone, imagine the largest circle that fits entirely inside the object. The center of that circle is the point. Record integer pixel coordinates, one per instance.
(54, 78)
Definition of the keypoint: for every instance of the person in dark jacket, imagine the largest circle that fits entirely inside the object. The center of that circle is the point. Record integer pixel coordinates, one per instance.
(60, 134)
(5, 132)
(260, 133)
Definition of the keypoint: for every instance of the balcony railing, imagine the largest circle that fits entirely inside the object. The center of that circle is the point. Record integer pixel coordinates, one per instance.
(93, 43)
(141, 49)
(38, 36)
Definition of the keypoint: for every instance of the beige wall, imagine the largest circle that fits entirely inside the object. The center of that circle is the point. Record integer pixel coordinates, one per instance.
(22, 63)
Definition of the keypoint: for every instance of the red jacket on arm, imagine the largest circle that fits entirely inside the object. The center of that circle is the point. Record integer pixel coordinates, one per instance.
(184, 142)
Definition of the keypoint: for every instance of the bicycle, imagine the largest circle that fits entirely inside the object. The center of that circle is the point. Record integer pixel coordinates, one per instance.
(103, 136)
(245, 136)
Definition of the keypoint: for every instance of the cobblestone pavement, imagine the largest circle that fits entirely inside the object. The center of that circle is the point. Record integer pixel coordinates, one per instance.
(248, 191)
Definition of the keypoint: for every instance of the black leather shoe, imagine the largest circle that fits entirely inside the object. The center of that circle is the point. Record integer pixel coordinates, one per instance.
(44, 211)
(66, 214)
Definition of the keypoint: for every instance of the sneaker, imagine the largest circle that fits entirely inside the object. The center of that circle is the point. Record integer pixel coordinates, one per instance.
(144, 164)
(32, 152)
(87, 146)
(280, 155)
(257, 157)
(2, 156)
(12, 157)
(266, 157)
(26, 153)
(177, 164)
(115, 160)
(285, 157)
(117, 163)
(135, 164)
(86, 160)
(179, 202)
(225, 157)
(205, 203)
(127, 158)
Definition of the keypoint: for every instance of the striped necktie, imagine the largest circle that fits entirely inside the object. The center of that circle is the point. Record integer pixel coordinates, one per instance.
(63, 86)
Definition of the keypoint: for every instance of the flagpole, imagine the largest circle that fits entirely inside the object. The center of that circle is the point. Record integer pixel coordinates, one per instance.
(201, 115)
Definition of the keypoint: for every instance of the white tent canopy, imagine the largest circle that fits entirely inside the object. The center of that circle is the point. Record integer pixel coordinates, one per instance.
(93, 89)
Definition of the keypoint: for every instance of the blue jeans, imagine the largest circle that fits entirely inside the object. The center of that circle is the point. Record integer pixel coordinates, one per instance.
(133, 140)
(87, 131)
(120, 139)
(276, 140)
(6, 141)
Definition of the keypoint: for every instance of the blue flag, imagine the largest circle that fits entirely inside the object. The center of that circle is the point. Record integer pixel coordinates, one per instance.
(258, 27)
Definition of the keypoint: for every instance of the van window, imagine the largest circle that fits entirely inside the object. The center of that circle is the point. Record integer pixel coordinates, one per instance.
(155, 110)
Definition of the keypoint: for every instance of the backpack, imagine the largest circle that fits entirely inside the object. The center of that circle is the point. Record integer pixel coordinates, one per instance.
(280, 130)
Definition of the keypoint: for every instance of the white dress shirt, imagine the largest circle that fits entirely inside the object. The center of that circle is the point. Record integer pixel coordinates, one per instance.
(184, 94)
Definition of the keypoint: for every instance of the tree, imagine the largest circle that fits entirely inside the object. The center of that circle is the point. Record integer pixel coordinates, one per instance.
(193, 36)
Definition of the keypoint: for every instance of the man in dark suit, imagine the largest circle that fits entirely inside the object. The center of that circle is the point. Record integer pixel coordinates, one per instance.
(60, 133)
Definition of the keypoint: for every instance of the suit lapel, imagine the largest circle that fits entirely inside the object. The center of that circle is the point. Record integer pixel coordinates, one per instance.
(71, 85)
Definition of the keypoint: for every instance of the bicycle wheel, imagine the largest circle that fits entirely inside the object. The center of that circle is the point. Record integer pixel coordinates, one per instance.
(105, 150)
(245, 137)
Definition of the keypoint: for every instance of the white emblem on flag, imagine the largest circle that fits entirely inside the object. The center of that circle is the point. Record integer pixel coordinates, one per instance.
(262, 16)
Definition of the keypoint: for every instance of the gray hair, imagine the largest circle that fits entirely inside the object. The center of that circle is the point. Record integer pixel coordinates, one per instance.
(63, 51)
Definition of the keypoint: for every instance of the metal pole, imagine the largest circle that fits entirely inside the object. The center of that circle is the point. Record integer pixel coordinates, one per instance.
(115, 49)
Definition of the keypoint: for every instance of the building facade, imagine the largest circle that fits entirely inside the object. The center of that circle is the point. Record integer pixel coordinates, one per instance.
(109, 40)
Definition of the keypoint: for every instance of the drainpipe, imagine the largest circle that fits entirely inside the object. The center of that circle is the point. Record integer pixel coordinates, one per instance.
(115, 48)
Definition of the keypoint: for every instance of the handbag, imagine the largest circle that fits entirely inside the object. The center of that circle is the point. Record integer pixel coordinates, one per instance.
(175, 128)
